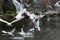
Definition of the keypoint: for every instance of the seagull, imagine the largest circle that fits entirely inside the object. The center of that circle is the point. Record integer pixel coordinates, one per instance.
(27, 4)
(34, 17)
(57, 4)
(9, 33)
(19, 11)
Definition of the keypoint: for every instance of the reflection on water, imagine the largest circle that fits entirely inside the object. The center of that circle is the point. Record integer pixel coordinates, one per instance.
(50, 30)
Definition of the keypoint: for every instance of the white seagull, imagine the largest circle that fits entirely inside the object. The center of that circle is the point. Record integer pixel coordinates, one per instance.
(20, 10)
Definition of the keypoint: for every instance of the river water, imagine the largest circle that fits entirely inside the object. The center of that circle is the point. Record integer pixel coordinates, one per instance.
(50, 30)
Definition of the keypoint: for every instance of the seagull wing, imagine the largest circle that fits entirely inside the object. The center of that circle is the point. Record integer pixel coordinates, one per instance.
(14, 21)
(3, 21)
(18, 6)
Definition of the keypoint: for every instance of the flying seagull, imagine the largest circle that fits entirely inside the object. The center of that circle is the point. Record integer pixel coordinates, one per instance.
(19, 11)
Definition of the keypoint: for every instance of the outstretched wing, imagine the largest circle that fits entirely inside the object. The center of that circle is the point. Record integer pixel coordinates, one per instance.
(3, 21)
(18, 6)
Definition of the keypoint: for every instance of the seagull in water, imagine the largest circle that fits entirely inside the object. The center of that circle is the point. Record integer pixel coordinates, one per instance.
(9, 33)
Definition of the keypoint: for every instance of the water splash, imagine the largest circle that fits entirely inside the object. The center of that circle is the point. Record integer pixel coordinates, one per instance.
(19, 11)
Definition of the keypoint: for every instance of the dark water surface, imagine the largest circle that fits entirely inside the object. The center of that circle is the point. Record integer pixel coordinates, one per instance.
(50, 30)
